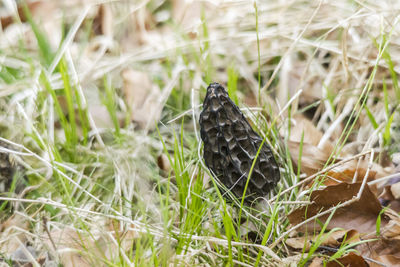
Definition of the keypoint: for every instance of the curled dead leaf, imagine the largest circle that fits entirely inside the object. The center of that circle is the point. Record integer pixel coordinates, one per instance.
(315, 154)
(392, 229)
(359, 214)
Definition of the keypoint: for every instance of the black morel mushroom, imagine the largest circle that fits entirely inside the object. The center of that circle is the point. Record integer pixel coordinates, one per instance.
(231, 145)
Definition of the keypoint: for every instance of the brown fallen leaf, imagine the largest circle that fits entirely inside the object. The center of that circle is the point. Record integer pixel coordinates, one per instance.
(313, 158)
(385, 251)
(347, 172)
(392, 229)
(360, 215)
(311, 135)
(355, 170)
(350, 260)
(389, 260)
(305, 242)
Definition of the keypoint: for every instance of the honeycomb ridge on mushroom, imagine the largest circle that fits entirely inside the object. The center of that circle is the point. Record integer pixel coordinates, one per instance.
(231, 145)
